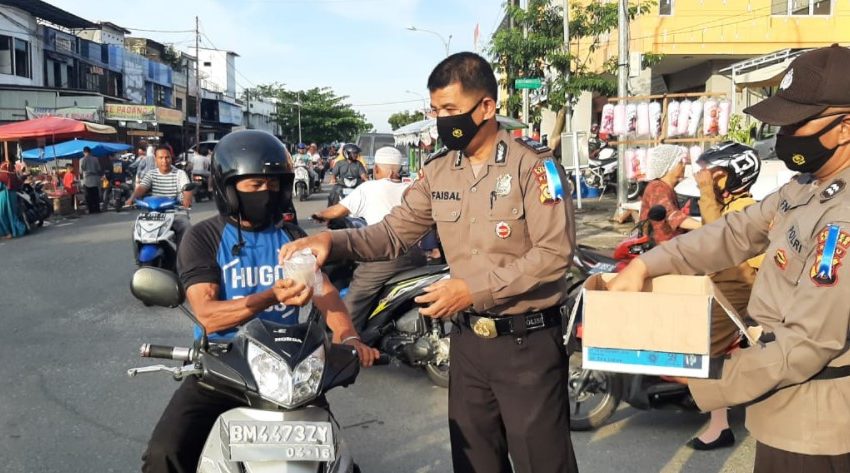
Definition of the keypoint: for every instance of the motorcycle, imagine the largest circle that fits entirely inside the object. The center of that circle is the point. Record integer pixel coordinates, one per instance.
(34, 204)
(154, 240)
(595, 395)
(202, 191)
(117, 194)
(395, 326)
(602, 172)
(342, 189)
(302, 185)
(280, 372)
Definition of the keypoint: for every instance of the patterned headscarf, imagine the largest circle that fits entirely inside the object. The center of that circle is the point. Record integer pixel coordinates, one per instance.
(662, 158)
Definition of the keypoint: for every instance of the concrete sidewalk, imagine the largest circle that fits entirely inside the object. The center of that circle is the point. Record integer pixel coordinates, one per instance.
(594, 226)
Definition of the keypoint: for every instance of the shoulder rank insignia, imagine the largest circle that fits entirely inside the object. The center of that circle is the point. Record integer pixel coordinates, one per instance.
(832, 248)
(536, 146)
(501, 152)
(833, 189)
(436, 155)
(548, 181)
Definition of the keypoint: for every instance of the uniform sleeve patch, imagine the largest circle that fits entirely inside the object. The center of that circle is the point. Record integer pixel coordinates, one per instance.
(833, 243)
(548, 182)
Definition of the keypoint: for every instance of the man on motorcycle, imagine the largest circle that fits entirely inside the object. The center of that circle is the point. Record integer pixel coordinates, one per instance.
(166, 181)
(350, 167)
(302, 158)
(372, 201)
(229, 268)
(200, 164)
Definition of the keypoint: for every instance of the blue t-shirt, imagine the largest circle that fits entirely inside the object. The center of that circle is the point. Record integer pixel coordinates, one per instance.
(206, 255)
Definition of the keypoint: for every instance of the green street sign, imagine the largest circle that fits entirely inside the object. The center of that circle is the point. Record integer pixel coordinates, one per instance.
(534, 83)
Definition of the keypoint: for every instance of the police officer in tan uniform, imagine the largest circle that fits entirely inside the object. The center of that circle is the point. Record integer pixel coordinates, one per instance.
(796, 381)
(508, 234)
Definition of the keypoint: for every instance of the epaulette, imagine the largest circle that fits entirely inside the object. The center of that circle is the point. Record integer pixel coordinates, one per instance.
(436, 155)
(536, 146)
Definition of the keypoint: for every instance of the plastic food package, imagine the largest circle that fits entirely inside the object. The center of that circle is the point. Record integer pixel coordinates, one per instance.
(640, 159)
(607, 124)
(684, 117)
(654, 119)
(673, 118)
(620, 125)
(631, 118)
(302, 267)
(711, 122)
(643, 119)
(631, 164)
(723, 120)
(693, 121)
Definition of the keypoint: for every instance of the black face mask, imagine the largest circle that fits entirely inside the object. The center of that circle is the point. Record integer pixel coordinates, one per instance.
(457, 131)
(259, 208)
(805, 153)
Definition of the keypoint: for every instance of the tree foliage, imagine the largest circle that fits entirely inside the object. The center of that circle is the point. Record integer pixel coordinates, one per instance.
(400, 119)
(325, 116)
(542, 53)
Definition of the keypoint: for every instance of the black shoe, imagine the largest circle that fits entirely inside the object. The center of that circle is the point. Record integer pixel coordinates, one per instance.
(725, 439)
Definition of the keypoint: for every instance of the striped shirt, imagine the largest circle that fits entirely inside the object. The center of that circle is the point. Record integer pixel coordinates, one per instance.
(165, 185)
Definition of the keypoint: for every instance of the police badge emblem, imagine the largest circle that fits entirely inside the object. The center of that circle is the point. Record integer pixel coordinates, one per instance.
(503, 185)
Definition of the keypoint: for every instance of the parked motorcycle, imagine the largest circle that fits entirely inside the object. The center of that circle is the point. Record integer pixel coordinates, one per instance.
(202, 191)
(602, 172)
(302, 187)
(395, 326)
(281, 373)
(595, 395)
(154, 240)
(34, 204)
(117, 194)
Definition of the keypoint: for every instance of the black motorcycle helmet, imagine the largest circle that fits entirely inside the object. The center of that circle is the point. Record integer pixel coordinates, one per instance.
(741, 163)
(351, 151)
(248, 153)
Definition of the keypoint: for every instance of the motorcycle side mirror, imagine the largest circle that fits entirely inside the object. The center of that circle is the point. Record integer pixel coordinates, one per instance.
(657, 213)
(156, 286)
(190, 187)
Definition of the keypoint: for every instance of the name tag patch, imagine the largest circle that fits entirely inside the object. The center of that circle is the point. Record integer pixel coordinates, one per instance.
(445, 195)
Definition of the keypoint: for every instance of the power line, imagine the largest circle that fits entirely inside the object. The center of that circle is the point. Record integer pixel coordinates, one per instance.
(385, 103)
(157, 31)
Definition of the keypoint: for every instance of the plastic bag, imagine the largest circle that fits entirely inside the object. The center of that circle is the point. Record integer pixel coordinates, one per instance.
(607, 125)
(620, 125)
(631, 118)
(723, 119)
(711, 122)
(684, 117)
(654, 119)
(672, 119)
(643, 119)
(693, 121)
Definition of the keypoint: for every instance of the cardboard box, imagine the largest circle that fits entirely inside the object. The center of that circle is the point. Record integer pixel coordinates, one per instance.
(663, 330)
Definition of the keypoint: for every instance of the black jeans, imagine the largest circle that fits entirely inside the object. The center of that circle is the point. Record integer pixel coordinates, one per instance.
(93, 199)
(178, 438)
(509, 395)
(774, 460)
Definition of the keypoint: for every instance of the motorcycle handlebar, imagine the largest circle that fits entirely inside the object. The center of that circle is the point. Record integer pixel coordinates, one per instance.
(383, 359)
(167, 352)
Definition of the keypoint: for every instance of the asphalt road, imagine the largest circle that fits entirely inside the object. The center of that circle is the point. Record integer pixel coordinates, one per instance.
(70, 329)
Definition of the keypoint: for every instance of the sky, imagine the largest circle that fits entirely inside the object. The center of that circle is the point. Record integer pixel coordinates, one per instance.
(360, 48)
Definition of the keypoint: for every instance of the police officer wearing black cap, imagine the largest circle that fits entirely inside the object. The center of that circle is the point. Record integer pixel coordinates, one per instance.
(796, 381)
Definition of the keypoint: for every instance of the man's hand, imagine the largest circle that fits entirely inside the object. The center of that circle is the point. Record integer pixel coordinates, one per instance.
(704, 178)
(319, 244)
(291, 293)
(318, 218)
(366, 354)
(446, 298)
(630, 279)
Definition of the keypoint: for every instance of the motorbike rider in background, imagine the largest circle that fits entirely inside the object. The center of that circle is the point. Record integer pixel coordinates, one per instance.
(167, 181)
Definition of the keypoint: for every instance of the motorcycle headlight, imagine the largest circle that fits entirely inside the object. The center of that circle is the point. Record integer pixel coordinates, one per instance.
(277, 383)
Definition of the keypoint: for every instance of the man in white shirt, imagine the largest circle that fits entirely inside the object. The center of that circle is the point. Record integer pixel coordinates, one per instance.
(167, 181)
(201, 162)
(372, 201)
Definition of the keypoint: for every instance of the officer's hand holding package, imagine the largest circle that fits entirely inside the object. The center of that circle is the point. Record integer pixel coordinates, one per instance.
(795, 382)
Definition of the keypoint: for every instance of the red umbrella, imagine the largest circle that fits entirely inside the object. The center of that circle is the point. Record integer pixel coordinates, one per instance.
(57, 128)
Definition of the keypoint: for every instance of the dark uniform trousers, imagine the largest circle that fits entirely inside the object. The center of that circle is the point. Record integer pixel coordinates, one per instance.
(93, 199)
(179, 436)
(773, 460)
(508, 395)
(369, 279)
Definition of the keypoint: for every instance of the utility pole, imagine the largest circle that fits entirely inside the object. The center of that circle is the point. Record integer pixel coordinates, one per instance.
(299, 118)
(527, 131)
(622, 91)
(568, 126)
(197, 84)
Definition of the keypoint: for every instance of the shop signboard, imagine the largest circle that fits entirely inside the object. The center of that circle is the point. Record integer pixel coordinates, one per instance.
(129, 112)
(76, 113)
(169, 116)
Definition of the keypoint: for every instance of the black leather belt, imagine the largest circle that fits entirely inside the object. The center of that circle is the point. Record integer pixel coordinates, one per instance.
(832, 372)
(491, 326)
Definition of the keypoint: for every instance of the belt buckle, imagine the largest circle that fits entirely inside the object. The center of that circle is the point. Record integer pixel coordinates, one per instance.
(534, 322)
(485, 328)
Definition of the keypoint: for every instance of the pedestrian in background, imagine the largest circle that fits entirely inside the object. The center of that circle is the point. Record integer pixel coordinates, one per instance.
(795, 381)
(503, 202)
(91, 171)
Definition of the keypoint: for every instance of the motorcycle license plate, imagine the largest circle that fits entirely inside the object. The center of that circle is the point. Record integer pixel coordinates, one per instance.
(153, 217)
(251, 440)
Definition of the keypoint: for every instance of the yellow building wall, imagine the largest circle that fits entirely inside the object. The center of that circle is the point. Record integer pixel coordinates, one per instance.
(734, 27)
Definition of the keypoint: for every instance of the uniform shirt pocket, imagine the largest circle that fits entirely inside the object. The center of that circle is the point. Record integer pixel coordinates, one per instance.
(506, 208)
(445, 211)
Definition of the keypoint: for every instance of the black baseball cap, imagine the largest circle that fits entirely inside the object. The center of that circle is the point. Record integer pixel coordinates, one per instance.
(815, 81)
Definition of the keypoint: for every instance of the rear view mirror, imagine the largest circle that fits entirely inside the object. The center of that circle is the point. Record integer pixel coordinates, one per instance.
(155, 286)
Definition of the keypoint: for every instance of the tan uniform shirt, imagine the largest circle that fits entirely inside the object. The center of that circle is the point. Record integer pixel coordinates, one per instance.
(807, 314)
(501, 231)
